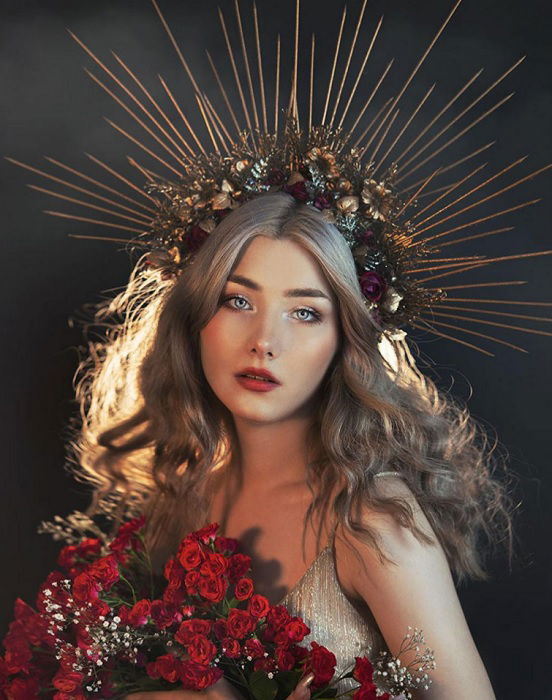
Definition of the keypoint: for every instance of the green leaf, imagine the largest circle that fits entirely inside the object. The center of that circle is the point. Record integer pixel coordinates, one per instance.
(262, 687)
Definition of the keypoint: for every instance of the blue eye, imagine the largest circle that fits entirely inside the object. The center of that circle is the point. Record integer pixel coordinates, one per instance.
(315, 316)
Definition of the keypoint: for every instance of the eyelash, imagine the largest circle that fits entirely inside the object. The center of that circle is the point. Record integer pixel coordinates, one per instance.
(317, 315)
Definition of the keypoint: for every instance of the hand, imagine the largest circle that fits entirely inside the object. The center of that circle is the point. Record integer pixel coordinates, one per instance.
(221, 690)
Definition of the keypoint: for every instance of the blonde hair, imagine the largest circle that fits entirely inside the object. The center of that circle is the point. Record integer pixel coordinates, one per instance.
(153, 432)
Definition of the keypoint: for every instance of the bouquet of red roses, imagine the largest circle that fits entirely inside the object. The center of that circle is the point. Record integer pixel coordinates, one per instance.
(107, 626)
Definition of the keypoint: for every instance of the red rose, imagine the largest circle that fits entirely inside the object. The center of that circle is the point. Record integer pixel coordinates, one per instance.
(297, 630)
(91, 546)
(207, 534)
(197, 677)
(33, 624)
(190, 555)
(201, 650)
(238, 566)
(23, 689)
(259, 606)
(164, 615)
(220, 629)
(285, 659)
(243, 589)
(278, 616)
(322, 664)
(139, 613)
(212, 588)
(18, 654)
(105, 571)
(267, 665)
(174, 572)
(226, 544)
(363, 671)
(231, 647)
(174, 597)
(191, 581)
(168, 667)
(190, 628)
(215, 565)
(66, 558)
(68, 681)
(254, 648)
(240, 623)
(373, 285)
(298, 190)
(85, 588)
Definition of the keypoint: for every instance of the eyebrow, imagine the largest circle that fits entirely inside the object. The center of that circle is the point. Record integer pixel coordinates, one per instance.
(301, 292)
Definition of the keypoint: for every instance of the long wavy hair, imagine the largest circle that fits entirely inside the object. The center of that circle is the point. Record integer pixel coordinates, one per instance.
(153, 434)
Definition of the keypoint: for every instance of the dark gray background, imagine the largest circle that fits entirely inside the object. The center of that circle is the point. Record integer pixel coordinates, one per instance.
(51, 108)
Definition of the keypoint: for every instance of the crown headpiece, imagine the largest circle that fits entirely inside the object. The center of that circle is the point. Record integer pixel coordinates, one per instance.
(357, 171)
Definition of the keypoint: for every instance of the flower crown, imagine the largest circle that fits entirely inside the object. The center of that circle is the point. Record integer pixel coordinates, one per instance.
(332, 164)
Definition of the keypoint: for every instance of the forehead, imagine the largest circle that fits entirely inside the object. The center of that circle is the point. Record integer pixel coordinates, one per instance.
(280, 263)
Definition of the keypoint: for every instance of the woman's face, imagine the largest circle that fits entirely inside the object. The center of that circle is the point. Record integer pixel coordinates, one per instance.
(276, 313)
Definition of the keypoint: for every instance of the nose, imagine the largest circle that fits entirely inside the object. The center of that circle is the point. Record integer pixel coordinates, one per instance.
(266, 336)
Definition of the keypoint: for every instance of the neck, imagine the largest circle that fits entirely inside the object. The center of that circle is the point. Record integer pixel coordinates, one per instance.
(275, 454)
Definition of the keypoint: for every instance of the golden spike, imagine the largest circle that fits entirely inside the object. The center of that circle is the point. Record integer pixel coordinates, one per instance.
(367, 103)
(477, 235)
(141, 145)
(246, 62)
(128, 92)
(88, 204)
(218, 120)
(481, 335)
(224, 94)
(405, 127)
(456, 137)
(477, 221)
(452, 272)
(293, 105)
(471, 319)
(482, 284)
(380, 126)
(99, 222)
(429, 329)
(438, 115)
(260, 66)
(311, 81)
(417, 270)
(336, 54)
(143, 170)
(448, 190)
(383, 137)
(500, 301)
(277, 86)
(135, 117)
(235, 71)
(105, 187)
(460, 257)
(181, 114)
(176, 47)
(348, 62)
(161, 112)
(446, 168)
(107, 238)
(382, 109)
(409, 202)
(360, 72)
(424, 56)
(485, 199)
(66, 183)
(461, 114)
(207, 122)
(501, 313)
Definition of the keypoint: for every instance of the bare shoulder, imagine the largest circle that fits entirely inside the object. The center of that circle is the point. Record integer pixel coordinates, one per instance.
(415, 589)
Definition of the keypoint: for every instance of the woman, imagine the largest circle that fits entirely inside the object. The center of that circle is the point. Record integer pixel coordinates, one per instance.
(356, 488)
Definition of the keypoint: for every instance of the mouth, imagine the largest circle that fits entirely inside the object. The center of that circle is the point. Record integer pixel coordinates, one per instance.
(260, 375)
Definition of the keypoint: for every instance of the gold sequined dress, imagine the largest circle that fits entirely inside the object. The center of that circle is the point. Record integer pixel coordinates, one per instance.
(334, 622)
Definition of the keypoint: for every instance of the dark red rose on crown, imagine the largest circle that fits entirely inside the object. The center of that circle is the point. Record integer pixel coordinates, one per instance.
(275, 177)
(298, 190)
(244, 589)
(367, 236)
(323, 202)
(240, 623)
(258, 606)
(195, 238)
(373, 285)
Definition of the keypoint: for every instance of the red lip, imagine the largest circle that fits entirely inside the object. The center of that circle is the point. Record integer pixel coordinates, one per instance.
(258, 372)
